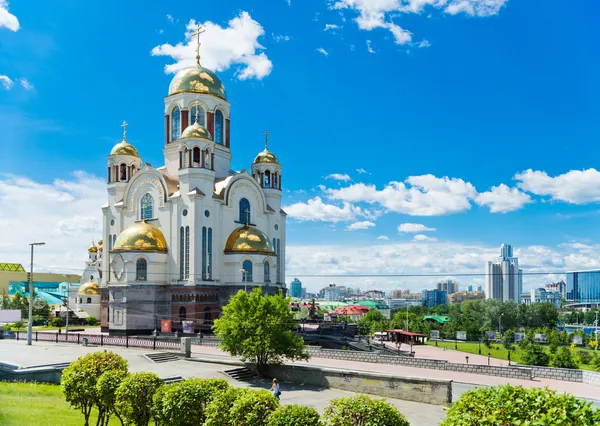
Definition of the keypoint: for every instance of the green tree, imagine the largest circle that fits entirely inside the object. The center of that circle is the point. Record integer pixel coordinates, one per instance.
(514, 405)
(78, 381)
(6, 303)
(21, 303)
(218, 411)
(596, 362)
(91, 321)
(260, 328)
(373, 321)
(57, 322)
(564, 358)
(534, 354)
(253, 408)
(294, 415)
(508, 339)
(41, 308)
(555, 340)
(360, 410)
(106, 387)
(135, 397)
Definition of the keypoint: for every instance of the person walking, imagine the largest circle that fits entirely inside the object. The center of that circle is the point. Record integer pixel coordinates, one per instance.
(275, 389)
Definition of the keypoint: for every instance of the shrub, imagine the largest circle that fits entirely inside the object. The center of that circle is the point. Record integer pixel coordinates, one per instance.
(134, 397)
(511, 405)
(535, 354)
(107, 386)
(253, 408)
(91, 321)
(219, 409)
(78, 380)
(18, 324)
(564, 359)
(38, 320)
(584, 357)
(596, 362)
(294, 415)
(360, 410)
(184, 403)
(157, 406)
(57, 322)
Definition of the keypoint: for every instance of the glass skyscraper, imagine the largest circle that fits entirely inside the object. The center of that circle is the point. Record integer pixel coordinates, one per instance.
(296, 288)
(583, 286)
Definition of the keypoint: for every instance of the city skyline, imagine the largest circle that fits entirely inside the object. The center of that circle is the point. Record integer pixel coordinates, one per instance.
(421, 196)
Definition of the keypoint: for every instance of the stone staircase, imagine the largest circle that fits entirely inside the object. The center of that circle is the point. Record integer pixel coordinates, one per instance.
(159, 357)
(241, 374)
(171, 380)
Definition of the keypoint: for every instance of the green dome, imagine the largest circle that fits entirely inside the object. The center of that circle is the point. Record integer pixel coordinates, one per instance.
(196, 131)
(197, 80)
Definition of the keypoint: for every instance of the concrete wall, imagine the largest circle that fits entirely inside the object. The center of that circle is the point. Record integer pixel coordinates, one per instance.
(409, 389)
(39, 374)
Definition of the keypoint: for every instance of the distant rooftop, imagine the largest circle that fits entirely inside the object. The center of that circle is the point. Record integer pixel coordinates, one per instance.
(11, 267)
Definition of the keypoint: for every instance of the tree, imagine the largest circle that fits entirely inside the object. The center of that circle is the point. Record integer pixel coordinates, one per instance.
(5, 303)
(294, 415)
(107, 386)
(372, 321)
(41, 308)
(508, 339)
(91, 321)
(78, 381)
(555, 340)
(253, 408)
(360, 410)
(259, 327)
(596, 363)
(512, 405)
(218, 411)
(535, 354)
(564, 359)
(21, 303)
(135, 397)
(57, 322)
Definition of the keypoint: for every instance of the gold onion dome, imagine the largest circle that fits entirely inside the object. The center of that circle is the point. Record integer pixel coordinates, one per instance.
(248, 240)
(124, 148)
(197, 79)
(141, 236)
(196, 131)
(93, 248)
(266, 157)
(89, 288)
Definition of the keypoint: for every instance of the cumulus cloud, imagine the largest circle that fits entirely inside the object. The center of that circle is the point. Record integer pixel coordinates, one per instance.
(383, 237)
(338, 176)
(360, 225)
(413, 228)
(424, 43)
(329, 27)
(323, 51)
(222, 47)
(7, 19)
(423, 237)
(316, 210)
(279, 38)
(575, 186)
(6, 82)
(502, 199)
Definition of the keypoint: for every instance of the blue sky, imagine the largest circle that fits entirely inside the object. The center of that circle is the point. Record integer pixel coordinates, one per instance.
(450, 98)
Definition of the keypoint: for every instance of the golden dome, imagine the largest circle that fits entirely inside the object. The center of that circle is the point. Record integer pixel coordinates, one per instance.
(248, 240)
(197, 79)
(266, 157)
(100, 242)
(124, 148)
(89, 288)
(196, 131)
(141, 236)
(93, 248)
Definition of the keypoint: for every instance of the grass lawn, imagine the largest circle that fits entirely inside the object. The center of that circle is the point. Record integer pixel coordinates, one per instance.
(38, 404)
(500, 352)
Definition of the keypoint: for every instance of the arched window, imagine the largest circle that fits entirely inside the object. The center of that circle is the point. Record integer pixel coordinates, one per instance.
(267, 180)
(89, 300)
(207, 316)
(267, 272)
(193, 109)
(244, 211)
(219, 127)
(187, 252)
(182, 313)
(147, 212)
(141, 270)
(196, 157)
(247, 274)
(123, 177)
(175, 124)
(182, 253)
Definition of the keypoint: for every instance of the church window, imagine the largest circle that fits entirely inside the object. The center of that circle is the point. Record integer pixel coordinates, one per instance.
(182, 313)
(141, 270)
(147, 211)
(181, 253)
(206, 213)
(278, 251)
(196, 157)
(267, 180)
(123, 173)
(89, 300)
(204, 252)
(209, 255)
(112, 222)
(267, 272)
(207, 315)
(197, 108)
(247, 274)
(244, 211)
(175, 124)
(187, 252)
(219, 127)
(184, 213)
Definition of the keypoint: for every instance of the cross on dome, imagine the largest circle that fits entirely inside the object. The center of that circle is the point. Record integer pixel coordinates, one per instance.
(199, 30)
(266, 135)
(124, 126)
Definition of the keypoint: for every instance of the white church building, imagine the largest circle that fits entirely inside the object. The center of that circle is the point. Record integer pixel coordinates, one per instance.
(181, 239)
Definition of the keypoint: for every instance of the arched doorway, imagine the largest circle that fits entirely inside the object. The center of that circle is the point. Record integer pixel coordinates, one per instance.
(182, 313)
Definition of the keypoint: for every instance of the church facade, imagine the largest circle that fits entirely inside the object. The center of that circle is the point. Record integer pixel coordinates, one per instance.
(179, 240)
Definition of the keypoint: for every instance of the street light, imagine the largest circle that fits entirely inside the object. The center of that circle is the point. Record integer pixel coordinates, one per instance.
(245, 279)
(67, 318)
(30, 322)
(500, 323)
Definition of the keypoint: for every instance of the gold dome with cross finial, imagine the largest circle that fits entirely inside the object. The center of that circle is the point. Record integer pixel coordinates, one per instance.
(266, 156)
(124, 147)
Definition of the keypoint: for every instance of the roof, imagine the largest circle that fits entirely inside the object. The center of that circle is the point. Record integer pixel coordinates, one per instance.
(11, 267)
(406, 333)
(373, 304)
(439, 318)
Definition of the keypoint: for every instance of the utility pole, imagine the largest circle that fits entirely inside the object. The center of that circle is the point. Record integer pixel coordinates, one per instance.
(245, 279)
(30, 321)
(67, 318)
(596, 331)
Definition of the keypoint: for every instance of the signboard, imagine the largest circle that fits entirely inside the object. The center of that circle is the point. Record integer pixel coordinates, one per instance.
(188, 327)
(540, 338)
(434, 334)
(461, 335)
(10, 315)
(491, 335)
(327, 318)
(165, 326)
(519, 337)
(578, 340)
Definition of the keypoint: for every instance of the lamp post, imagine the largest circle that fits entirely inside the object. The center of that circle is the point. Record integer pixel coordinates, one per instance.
(245, 279)
(67, 318)
(30, 322)
(500, 323)
(596, 331)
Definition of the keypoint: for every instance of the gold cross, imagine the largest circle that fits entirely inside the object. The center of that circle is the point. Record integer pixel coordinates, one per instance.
(124, 126)
(266, 135)
(199, 30)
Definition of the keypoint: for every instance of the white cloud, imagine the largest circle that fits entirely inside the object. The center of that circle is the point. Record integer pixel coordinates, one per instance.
(502, 199)
(170, 18)
(369, 48)
(425, 195)
(481, 8)
(26, 84)
(575, 186)
(71, 219)
(413, 228)
(383, 237)
(279, 38)
(222, 47)
(338, 176)
(362, 171)
(423, 237)
(6, 82)
(323, 51)
(329, 27)
(424, 43)
(316, 210)
(7, 19)
(360, 225)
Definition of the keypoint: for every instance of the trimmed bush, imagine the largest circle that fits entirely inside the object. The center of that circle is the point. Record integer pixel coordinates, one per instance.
(564, 359)
(218, 411)
(535, 354)
(135, 397)
(585, 357)
(185, 403)
(57, 322)
(294, 415)
(107, 386)
(253, 408)
(91, 321)
(514, 405)
(596, 362)
(360, 410)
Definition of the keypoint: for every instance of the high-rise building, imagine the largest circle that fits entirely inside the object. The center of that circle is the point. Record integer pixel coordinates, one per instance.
(470, 289)
(504, 279)
(296, 288)
(541, 295)
(450, 286)
(479, 288)
(558, 287)
(583, 286)
(435, 297)
(461, 296)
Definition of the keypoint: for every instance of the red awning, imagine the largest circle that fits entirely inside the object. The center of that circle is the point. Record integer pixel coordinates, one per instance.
(406, 333)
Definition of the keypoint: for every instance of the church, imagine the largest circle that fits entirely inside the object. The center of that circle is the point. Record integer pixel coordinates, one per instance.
(179, 240)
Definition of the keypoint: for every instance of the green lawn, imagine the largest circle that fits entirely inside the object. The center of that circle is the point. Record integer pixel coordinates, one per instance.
(499, 351)
(38, 404)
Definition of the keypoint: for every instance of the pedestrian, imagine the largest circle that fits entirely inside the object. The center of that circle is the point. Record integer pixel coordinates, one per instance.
(275, 389)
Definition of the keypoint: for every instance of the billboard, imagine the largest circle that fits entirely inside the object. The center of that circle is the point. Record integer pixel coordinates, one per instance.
(10, 315)
(519, 337)
(461, 335)
(491, 335)
(434, 334)
(578, 340)
(188, 327)
(165, 326)
(540, 338)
